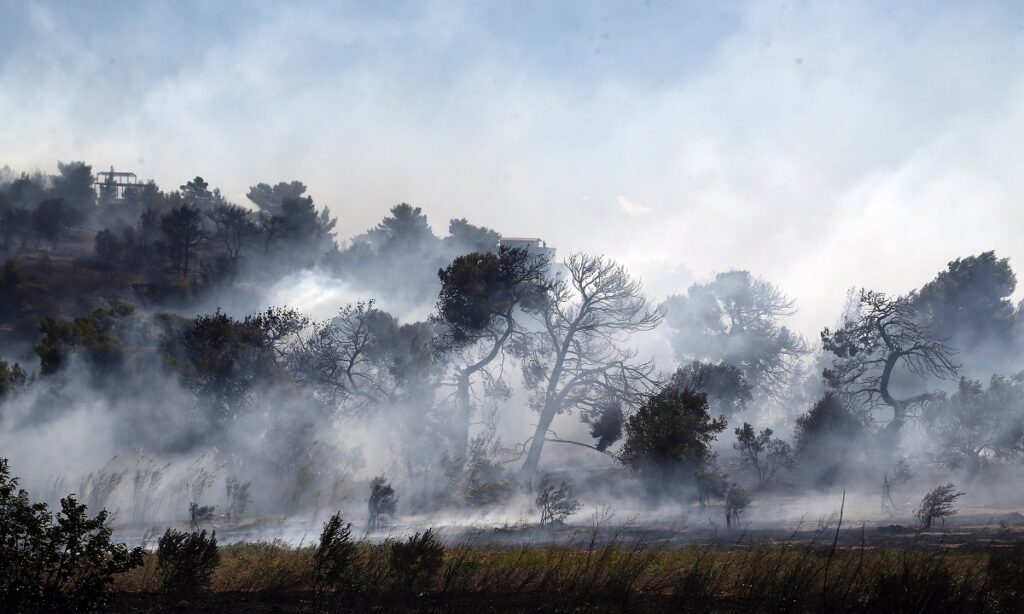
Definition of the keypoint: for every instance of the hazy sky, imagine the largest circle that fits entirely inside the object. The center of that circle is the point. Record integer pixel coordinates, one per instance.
(821, 145)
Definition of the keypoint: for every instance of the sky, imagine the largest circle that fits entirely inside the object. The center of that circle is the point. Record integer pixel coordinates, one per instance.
(821, 145)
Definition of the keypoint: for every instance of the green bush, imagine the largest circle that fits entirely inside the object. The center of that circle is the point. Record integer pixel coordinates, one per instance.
(48, 563)
(185, 561)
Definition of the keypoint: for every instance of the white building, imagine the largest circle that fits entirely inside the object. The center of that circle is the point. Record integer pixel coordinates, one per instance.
(532, 245)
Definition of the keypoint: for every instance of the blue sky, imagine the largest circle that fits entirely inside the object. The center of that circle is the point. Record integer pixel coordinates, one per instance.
(822, 145)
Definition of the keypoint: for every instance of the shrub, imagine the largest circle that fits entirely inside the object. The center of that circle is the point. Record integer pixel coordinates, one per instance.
(556, 503)
(334, 557)
(736, 501)
(416, 561)
(938, 503)
(185, 561)
(382, 501)
(62, 563)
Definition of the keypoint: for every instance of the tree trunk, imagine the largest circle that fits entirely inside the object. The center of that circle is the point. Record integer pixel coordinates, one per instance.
(889, 437)
(537, 443)
(463, 416)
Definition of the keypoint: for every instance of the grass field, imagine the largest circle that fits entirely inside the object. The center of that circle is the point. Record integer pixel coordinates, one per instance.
(606, 574)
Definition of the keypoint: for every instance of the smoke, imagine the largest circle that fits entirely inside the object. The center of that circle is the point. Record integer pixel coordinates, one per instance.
(820, 147)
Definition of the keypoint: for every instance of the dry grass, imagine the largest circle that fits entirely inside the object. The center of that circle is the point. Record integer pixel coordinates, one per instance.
(615, 574)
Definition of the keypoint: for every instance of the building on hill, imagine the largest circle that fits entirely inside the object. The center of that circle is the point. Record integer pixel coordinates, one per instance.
(111, 185)
(533, 246)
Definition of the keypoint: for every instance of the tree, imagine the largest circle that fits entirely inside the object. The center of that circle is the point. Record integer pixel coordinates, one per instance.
(406, 228)
(735, 319)
(737, 499)
(363, 359)
(760, 451)
(98, 335)
(16, 222)
(108, 247)
(12, 377)
(182, 232)
(467, 238)
(147, 230)
(299, 229)
(938, 503)
(73, 185)
(51, 218)
(978, 423)
(269, 198)
(670, 435)
(968, 305)
(883, 334)
(829, 437)
(578, 361)
(234, 229)
(727, 389)
(196, 193)
(480, 296)
(55, 564)
(225, 360)
(382, 502)
(556, 503)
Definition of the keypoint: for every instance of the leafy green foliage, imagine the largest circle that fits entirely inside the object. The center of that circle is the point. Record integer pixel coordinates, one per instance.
(725, 385)
(670, 433)
(55, 563)
(969, 304)
(481, 288)
(98, 335)
(225, 359)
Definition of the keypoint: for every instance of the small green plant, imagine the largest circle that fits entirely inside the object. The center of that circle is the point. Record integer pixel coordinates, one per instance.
(185, 561)
(333, 558)
(556, 503)
(416, 561)
(938, 503)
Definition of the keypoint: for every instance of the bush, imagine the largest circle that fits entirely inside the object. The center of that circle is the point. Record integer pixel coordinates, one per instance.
(62, 563)
(416, 562)
(737, 499)
(333, 558)
(382, 502)
(556, 503)
(185, 561)
(938, 503)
